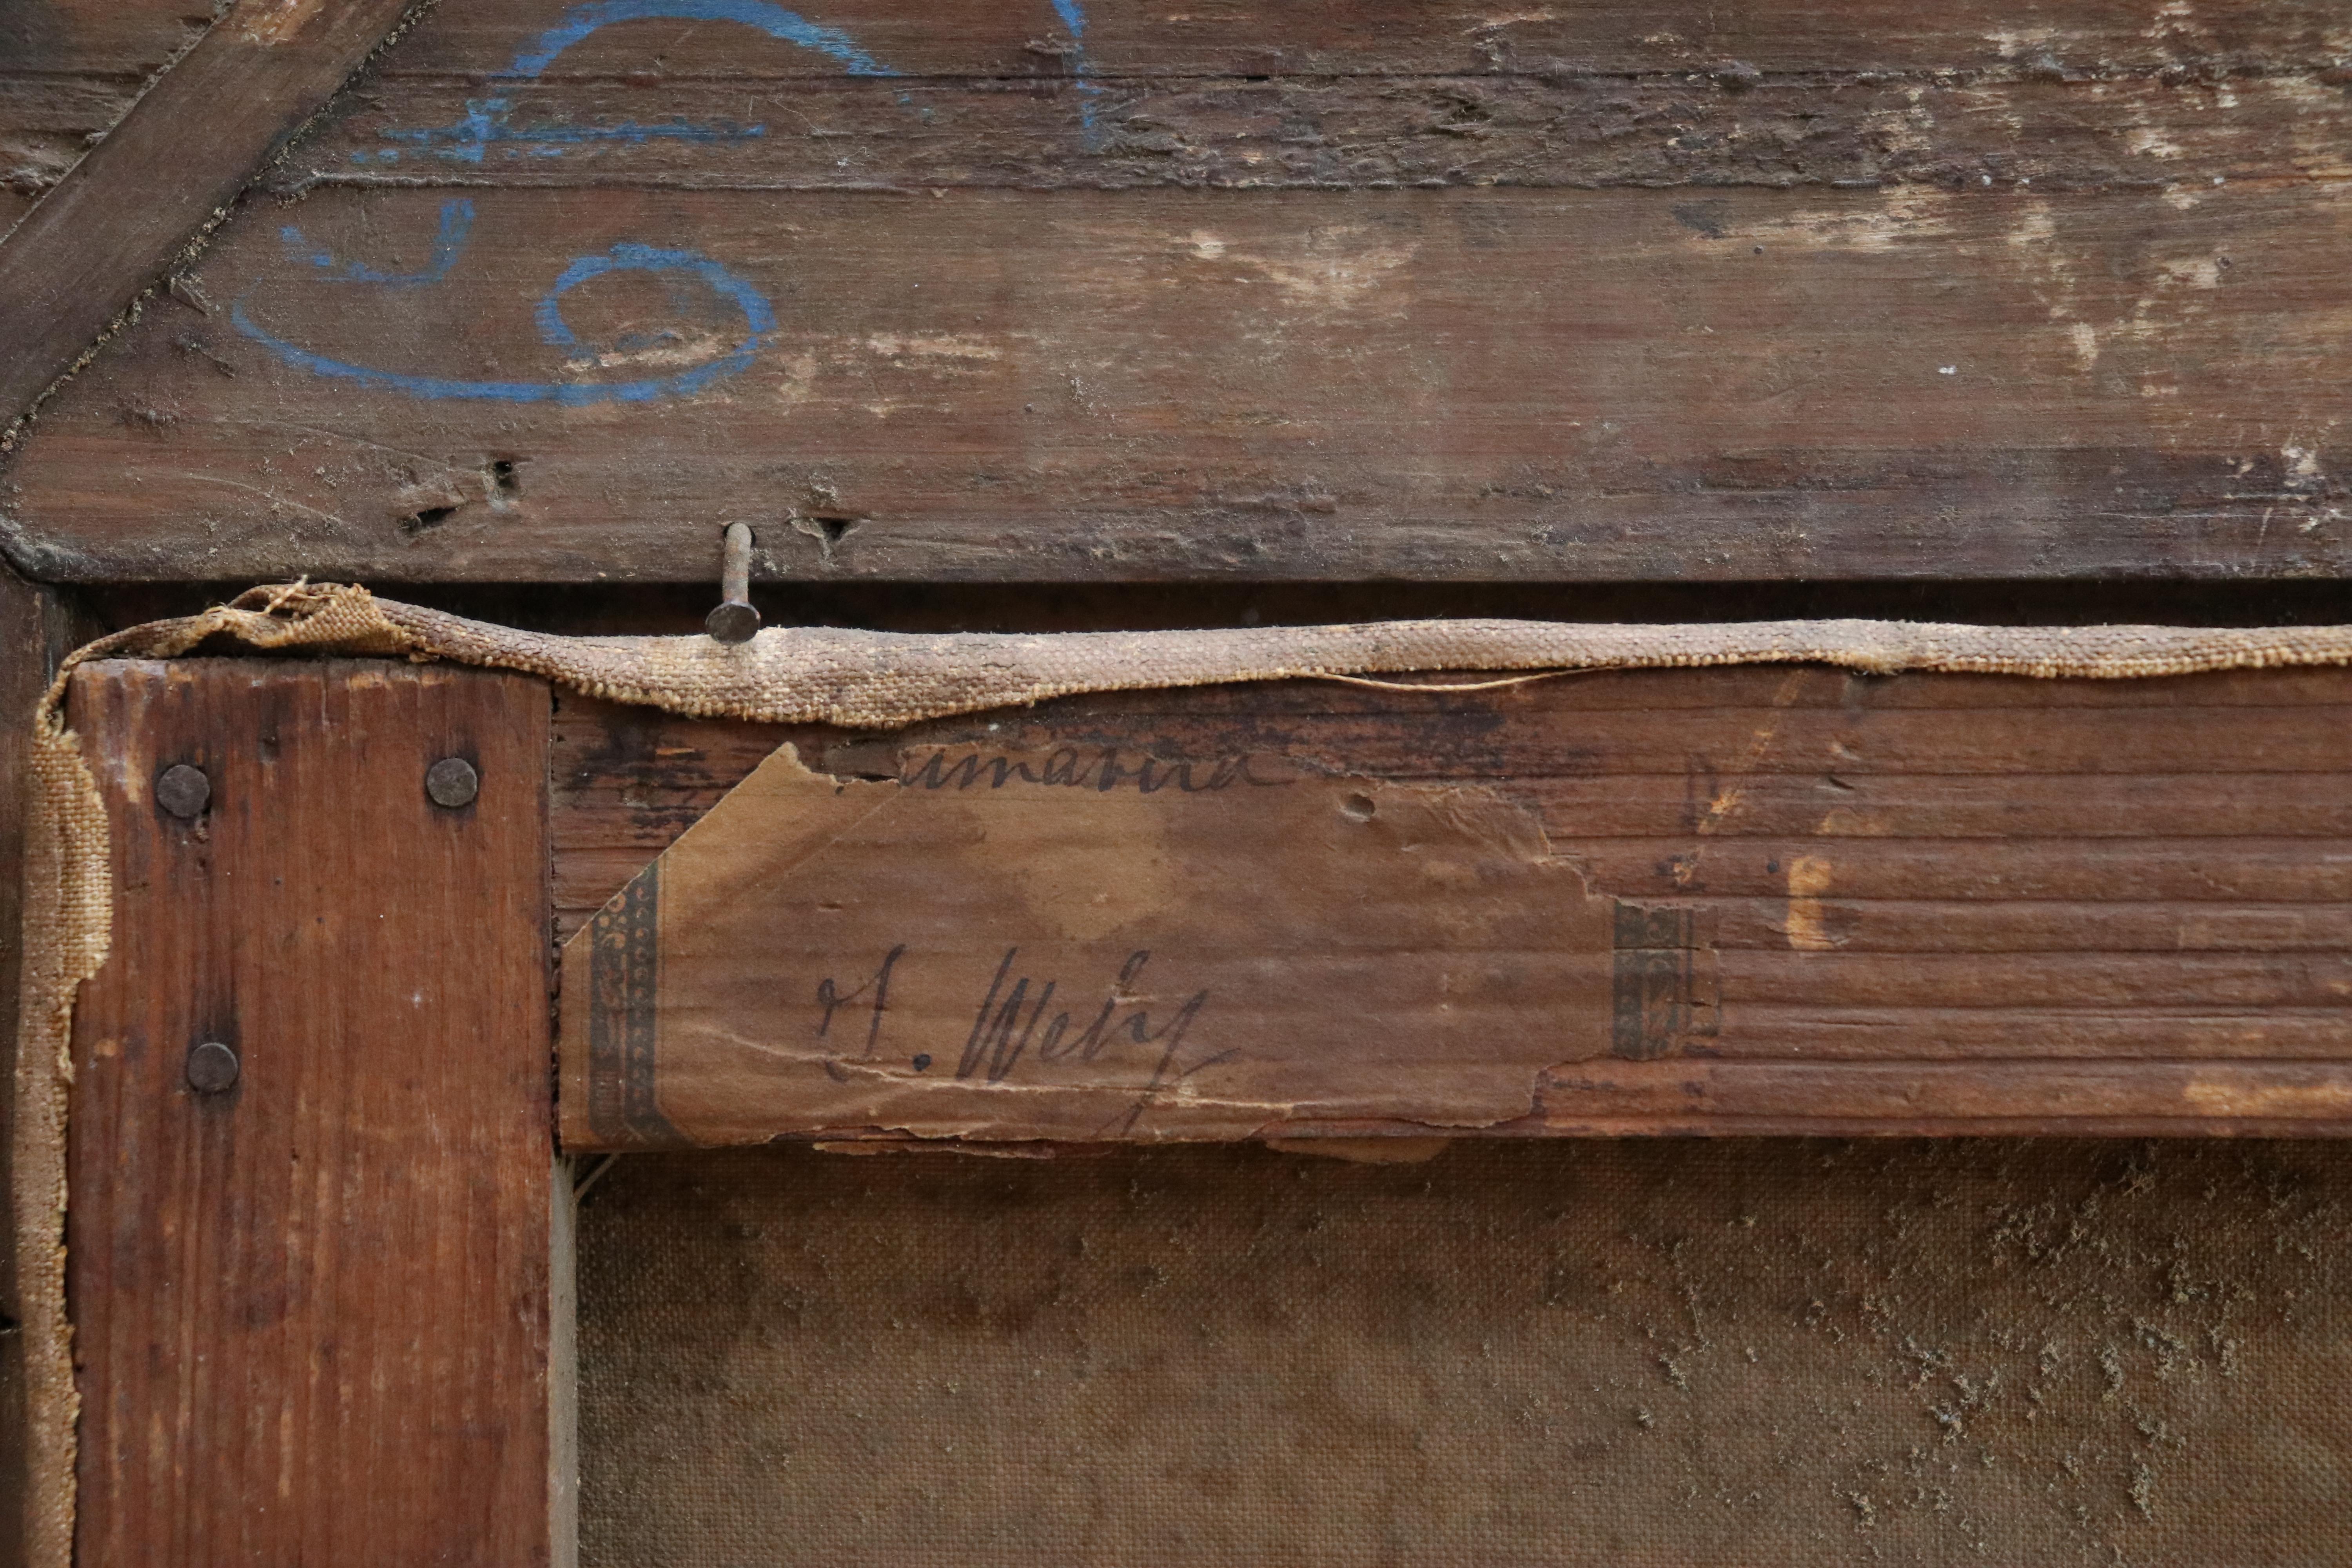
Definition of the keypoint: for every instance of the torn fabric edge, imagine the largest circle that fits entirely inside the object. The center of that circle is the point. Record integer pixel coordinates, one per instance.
(860, 679)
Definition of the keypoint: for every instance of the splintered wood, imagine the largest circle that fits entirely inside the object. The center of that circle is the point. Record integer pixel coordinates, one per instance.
(1725, 900)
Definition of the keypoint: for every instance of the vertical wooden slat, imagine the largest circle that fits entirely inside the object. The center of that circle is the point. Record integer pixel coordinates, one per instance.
(314, 1311)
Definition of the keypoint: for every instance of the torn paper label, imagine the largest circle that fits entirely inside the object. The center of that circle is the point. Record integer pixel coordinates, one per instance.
(1085, 945)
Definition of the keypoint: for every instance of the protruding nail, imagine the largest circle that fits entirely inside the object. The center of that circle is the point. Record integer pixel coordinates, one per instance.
(734, 620)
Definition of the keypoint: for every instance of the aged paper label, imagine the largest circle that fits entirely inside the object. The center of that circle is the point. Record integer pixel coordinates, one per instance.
(1089, 945)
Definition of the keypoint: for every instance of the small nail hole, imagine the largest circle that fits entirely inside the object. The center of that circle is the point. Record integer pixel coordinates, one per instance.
(1359, 806)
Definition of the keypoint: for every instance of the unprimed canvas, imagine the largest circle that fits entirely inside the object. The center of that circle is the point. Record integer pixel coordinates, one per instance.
(871, 679)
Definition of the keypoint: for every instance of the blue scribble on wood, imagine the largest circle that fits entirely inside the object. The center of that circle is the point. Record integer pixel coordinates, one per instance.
(1074, 18)
(456, 225)
(485, 123)
(759, 322)
(773, 20)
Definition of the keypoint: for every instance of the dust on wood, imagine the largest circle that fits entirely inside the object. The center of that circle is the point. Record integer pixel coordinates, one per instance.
(1785, 1351)
(161, 177)
(1797, 294)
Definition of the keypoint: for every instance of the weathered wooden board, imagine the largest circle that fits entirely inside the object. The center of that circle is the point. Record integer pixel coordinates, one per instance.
(1447, 384)
(1337, 291)
(193, 139)
(1238, 37)
(68, 69)
(1927, 903)
(312, 1309)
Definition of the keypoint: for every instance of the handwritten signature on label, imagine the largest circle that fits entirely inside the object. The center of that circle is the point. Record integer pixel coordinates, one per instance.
(489, 122)
(1070, 768)
(1011, 1027)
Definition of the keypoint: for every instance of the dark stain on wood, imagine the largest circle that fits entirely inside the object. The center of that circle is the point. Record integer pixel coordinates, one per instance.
(1663, 991)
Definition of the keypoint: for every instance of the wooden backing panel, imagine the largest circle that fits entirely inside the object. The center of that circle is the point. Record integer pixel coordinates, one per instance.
(102, 236)
(2045, 926)
(68, 70)
(1114, 39)
(2251, 983)
(2193, 871)
(1547, 129)
(1825, 1026)
(1856, 744)
(314, 1311)
(45, 125)
(1472, 383)
(1921, 868)
(98, 38)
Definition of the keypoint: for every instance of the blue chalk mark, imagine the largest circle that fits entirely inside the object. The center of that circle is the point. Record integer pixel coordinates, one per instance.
(1074, 20)
(456, 225)
(773, 20)
(468, 138)
(759, 321)
(485, 125)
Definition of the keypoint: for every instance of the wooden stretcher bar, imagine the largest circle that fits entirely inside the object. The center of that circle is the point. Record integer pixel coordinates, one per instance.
(314, 1239)
(1932, 904)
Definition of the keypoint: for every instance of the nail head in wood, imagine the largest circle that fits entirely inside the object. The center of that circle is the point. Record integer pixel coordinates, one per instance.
(212, 1068)
(734, 621)
(183, 791)
(452, 782)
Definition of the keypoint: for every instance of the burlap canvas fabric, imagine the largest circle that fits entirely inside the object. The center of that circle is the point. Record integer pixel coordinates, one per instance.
(1646, 1353)
(869, 679)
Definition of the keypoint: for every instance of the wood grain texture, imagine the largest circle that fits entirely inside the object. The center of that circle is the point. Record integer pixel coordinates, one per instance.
(1928, 903)
(1342, 292)
(107, 228)
(1119, 95)
(68, 70)
(313, 1313)
(1033, 39)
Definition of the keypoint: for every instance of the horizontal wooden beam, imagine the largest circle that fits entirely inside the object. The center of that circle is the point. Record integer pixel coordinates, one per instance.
(969, 295)
(1501, 383)
(1916, 904)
